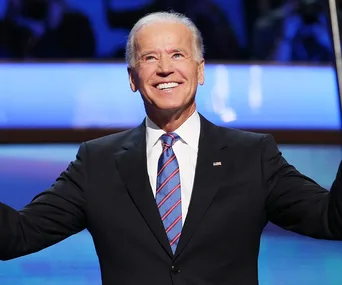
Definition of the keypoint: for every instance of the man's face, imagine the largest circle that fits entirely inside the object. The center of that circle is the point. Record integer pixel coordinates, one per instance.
(166, 72)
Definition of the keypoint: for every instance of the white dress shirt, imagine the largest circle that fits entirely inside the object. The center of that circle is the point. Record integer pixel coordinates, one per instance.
(185, 149)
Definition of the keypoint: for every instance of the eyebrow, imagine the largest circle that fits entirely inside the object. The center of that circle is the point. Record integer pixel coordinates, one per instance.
(146, 53)
(176, 50)
(172, 50)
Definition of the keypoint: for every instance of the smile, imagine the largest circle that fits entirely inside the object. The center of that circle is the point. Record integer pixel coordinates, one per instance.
(168, 85)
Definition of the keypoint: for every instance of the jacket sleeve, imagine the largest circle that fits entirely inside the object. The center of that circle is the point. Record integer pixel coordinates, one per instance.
(52, 216)
(296, 202)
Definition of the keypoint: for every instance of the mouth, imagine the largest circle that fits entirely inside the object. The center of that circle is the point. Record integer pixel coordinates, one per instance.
(167, 86)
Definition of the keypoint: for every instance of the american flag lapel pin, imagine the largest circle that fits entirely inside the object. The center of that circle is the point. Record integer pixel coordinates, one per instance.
(217, 163)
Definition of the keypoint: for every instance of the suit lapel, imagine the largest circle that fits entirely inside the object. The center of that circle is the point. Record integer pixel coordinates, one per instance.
(132, 166)
(206, 182)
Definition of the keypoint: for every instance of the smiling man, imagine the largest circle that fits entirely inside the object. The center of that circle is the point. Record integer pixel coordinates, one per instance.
(176, 200)
(166, 69)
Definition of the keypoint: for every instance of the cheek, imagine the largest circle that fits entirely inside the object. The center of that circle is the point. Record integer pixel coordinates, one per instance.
(189, 72)
(193, 79)
(144, 76)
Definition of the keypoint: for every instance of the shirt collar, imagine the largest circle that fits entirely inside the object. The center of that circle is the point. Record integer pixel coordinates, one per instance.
(189, 132)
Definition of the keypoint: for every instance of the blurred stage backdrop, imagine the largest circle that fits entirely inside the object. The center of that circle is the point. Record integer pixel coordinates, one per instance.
(48, 96)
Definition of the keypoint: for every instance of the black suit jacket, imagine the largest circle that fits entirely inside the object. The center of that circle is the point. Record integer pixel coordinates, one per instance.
(107, 190)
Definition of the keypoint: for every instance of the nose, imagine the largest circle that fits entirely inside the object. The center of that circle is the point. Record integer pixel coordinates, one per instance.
(165, 66)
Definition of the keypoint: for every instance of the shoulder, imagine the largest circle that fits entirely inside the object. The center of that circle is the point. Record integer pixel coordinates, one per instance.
(237, 138)
(113, 142)
(248, 144)
(240, 137)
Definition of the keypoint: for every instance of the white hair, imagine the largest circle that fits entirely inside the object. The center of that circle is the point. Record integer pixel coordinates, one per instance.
(198, 46)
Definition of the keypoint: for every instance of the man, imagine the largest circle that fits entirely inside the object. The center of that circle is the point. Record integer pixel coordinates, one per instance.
(176, 200)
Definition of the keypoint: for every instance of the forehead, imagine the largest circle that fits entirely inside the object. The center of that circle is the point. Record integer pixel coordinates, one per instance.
(163, 34)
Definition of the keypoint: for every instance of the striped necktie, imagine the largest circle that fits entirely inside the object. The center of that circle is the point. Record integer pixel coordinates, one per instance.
(168, 193)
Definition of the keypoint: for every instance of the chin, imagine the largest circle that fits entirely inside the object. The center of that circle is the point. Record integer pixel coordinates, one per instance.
(168, 105)
(169, 109)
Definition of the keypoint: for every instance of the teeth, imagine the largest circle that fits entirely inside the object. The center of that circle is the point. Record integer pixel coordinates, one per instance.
(167, 85)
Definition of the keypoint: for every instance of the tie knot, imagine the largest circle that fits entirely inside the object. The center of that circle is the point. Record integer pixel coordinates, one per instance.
(169, 139)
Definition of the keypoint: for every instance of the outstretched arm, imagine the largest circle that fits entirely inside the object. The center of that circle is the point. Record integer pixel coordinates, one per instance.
(52, 216)
(297, 203)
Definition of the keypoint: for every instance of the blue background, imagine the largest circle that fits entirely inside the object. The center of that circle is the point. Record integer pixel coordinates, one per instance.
(79, 95)
(285, 258)
(109, 39)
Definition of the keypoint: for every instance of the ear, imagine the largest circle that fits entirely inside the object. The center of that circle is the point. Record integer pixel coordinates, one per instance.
(132, 81)
(200, 72)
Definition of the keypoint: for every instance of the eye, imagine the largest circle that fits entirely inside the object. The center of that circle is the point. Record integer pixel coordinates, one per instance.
(177, 55)
(150, 58)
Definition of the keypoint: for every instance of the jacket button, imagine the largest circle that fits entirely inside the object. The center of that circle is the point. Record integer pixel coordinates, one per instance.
(175, 269)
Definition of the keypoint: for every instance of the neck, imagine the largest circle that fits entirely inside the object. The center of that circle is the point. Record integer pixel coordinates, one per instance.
(169, 122)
